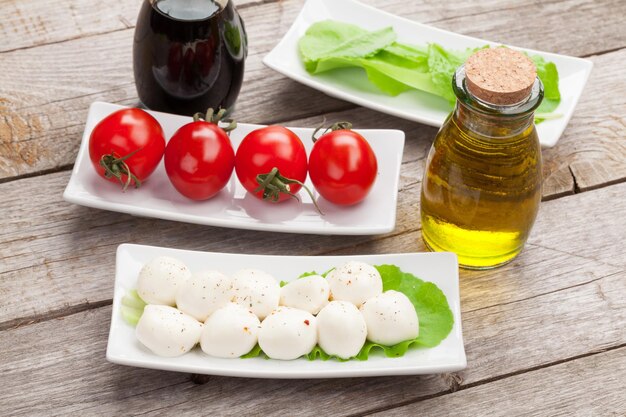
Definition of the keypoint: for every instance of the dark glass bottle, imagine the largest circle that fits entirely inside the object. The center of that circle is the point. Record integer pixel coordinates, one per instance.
(188, 55)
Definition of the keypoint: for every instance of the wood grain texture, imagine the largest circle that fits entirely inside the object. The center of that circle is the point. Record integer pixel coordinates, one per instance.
(29, 23)
(536, 330)
(592, 151)
(68, 243)
(52, 247)
(48, 104)
(76, 377)
(500, 341)
(574, 388)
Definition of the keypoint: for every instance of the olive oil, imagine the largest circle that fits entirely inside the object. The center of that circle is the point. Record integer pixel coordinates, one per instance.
(482, 185)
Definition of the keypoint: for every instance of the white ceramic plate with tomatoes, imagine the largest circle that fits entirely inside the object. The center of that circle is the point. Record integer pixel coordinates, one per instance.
(233, 206)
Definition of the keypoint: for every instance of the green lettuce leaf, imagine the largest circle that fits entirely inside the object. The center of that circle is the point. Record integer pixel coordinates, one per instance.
(435, 317)
(442, 65)
(395, 79)
(132, 307)
(256, 351)
(394, 67)
(326, 40)
(549, 76)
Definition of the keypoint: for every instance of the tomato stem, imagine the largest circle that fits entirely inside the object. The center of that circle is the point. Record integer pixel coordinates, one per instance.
(216, 118)
(332, 128)
(115, 167)
(272, 184)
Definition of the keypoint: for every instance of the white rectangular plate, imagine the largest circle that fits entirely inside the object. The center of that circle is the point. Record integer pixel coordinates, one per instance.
(440, 268)
(351, 84)
(233, 206)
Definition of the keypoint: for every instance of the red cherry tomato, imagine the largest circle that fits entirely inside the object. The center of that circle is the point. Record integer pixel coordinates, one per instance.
(199, 159)
(126, 146)
(343, 166)
(273, 154)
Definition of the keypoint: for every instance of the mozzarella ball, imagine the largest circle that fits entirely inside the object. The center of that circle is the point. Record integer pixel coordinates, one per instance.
(341, 329)
(355, 282)
(230, 332)
(160, 279)
(288, 333)
(204, 293)
(167, 331)
(391, 318)
(256, 290)
(309, 294)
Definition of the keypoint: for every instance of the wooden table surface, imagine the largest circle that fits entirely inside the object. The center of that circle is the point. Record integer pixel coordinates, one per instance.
(545, 335)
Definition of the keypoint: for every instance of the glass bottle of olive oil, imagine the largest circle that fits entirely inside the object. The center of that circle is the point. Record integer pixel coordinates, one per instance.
(482, 184)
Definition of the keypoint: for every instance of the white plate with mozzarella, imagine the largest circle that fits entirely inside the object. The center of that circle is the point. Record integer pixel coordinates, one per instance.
(440, 268)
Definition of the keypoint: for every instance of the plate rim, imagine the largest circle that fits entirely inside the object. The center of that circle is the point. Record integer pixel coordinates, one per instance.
(72, 196)
(455, 364)
(275, 64)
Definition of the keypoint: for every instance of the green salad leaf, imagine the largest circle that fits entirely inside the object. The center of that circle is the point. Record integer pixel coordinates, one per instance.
(435, 317)
(132, 307)
(256, 351)
(331, 46)
(549, 76)
(318, 353)
(442, 65)
(431, 304)
(394, 67)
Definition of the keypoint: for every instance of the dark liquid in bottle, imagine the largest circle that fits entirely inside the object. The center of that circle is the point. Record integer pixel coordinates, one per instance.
(188, 55)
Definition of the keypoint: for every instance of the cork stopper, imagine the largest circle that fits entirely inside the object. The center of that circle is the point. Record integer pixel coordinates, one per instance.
(500, 76)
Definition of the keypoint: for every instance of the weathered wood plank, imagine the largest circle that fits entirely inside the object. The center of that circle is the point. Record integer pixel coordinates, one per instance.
(589, 386)
(78, 377)
(563, 230)
(555, 26)
(592, 151)
(28, 23)
(500, 341)
(31, 23)
(561, 299)
(58, 241)
(49, 105)
(523, 278)
(55, 253)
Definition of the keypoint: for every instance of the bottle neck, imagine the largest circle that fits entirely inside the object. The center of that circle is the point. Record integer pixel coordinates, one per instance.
(190, 10)
(493, 121)
(491, 125)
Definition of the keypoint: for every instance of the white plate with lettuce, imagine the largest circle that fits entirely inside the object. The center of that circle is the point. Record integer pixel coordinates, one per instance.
(360, 54)
(430, 280)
